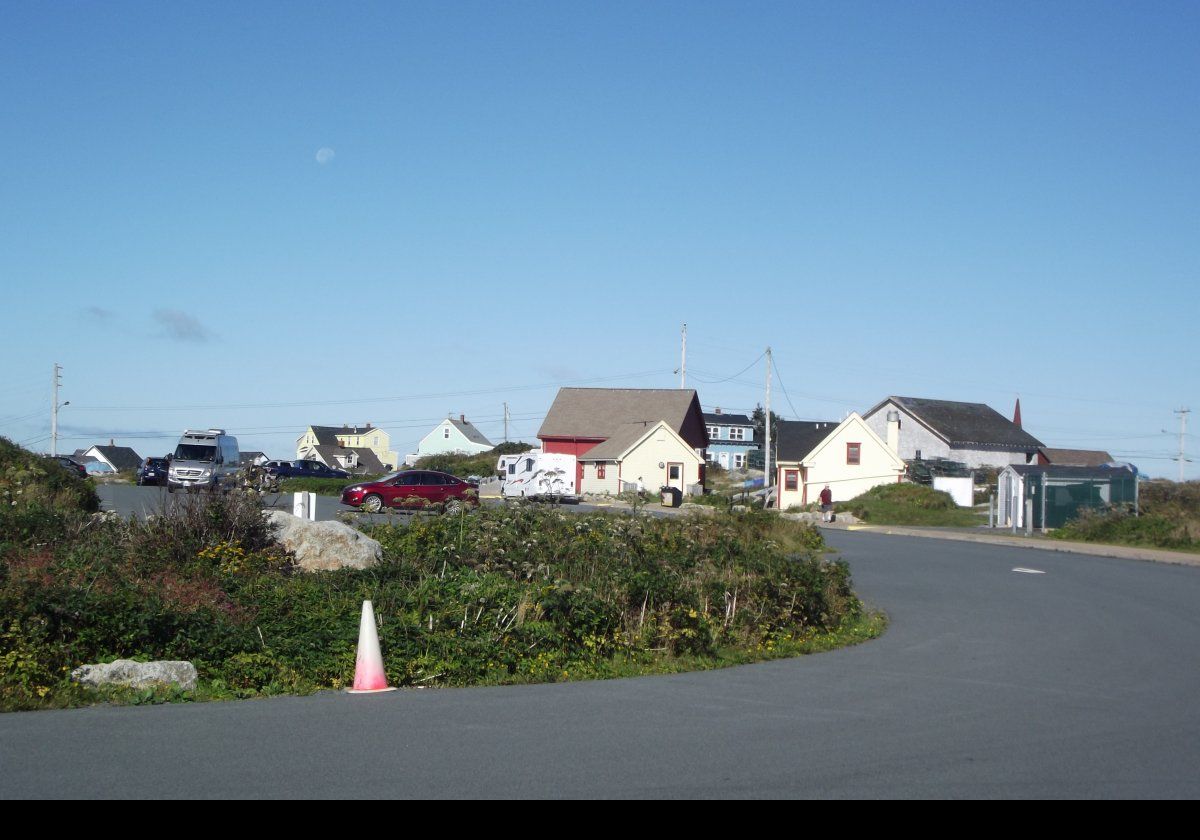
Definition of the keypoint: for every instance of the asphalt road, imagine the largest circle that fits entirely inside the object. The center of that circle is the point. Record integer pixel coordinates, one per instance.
(1079, 682)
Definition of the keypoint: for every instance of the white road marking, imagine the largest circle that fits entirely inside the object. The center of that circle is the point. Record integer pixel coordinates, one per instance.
(1023, 571)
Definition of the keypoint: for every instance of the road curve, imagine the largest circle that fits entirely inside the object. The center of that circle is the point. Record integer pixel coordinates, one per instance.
(1078, 682)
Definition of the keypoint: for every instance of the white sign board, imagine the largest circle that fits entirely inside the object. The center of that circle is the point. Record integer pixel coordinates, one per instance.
(962, 490)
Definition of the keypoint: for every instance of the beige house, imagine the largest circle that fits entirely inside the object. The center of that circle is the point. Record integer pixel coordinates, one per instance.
(651, 453)
(365, 447)
(847, 456)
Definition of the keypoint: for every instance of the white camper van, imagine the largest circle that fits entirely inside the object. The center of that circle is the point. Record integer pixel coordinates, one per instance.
(507, 464)
(204, 460)
(541, 475)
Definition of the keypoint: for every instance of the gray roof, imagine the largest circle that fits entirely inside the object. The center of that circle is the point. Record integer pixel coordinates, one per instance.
(122, 458)
(327, 435)
(966, 425)
(470, 431)
(599, 412)
(625, 436)
(368, 461)
(797, 438)
(714, 419)
(1077, 457)
(1053, 471)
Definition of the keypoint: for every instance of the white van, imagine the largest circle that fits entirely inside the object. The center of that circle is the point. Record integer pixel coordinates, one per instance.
(507, 464)
(541, 475)
(204, 460)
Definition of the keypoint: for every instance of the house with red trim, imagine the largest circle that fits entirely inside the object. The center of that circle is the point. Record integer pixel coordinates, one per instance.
(848, 457)
(657, 435)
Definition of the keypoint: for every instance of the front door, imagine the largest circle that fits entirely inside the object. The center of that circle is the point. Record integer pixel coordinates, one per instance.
(675, 476)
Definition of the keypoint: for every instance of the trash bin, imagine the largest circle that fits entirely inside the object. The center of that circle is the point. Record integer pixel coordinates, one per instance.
(672, 497)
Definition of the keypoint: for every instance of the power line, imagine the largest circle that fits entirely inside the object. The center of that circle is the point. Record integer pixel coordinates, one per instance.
(371, 400)
(735, 376)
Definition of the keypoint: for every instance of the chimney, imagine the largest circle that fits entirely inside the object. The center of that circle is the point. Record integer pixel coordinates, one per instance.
(112, 442)
(893, 431)
(718, 409)
(368, 424)
(462, 418)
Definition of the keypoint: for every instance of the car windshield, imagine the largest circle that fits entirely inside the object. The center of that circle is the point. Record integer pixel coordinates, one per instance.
(195, 452)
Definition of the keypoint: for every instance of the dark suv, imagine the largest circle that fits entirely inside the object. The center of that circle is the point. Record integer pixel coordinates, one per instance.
(153, 471)
(303, 469)
(73, 467)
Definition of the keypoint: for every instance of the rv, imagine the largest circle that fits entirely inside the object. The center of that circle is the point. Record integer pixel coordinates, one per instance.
(507, 464)
(541, 475)
(204, 460)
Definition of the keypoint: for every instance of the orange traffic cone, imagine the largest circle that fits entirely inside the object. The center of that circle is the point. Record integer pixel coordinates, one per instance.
(369, 677)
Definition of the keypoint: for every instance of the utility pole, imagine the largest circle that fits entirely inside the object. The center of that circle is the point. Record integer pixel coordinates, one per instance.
(683, 362)
(506, 422)
(767, 474)
(1182, 458)
(54, 406)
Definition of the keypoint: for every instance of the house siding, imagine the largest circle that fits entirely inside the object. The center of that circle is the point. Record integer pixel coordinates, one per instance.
(877, 465)
(643, 461)
(915, 437)
(437, 443)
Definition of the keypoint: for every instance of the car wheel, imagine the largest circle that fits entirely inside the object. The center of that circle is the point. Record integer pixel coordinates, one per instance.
(373, 503)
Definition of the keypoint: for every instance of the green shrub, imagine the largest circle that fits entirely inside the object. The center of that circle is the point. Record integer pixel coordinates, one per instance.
(908, 504)
(498, 595)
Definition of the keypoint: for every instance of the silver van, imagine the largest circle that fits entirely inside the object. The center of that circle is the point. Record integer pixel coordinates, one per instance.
(204, 460)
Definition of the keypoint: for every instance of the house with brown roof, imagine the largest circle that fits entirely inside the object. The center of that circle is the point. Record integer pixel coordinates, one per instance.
(1074, 457)
(622, 435)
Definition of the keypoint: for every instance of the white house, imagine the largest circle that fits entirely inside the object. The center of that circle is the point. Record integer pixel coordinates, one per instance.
(460, 437)
(648, 452)
(974, 434)
(847, 456)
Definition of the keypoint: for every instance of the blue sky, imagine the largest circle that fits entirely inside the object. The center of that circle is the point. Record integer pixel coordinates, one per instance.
(260, 216)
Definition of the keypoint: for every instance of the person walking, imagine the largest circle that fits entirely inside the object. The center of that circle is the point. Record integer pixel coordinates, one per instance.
(826, 504)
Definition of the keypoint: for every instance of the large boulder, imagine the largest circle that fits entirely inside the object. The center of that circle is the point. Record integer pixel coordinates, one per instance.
(126, 672)
(320, 546)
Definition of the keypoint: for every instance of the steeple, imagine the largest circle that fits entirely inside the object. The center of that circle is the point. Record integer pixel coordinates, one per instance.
(1017, 414)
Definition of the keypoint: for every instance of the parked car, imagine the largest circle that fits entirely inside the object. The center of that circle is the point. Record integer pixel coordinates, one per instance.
(413, 489)
(153, 471)
(302, 469)
(70, 466)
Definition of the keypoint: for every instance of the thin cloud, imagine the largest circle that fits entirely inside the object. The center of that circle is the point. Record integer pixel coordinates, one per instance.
(559, 373)
(325, 154)
(98, 313)
(180, 326)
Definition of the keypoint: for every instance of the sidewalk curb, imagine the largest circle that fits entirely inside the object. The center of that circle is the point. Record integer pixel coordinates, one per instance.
(1122, 552)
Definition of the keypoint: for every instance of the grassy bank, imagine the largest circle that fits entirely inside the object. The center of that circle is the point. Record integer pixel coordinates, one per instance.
(497, 596)
(909, 504)
(1170, 519)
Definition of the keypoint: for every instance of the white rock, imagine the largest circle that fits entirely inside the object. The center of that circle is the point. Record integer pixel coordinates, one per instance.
(319, 546)
(137, 674)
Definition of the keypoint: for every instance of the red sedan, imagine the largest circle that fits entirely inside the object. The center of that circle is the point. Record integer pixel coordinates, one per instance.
(417, 489)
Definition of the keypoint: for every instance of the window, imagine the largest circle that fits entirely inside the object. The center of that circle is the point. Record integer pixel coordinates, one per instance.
(446, 433)
(600, 471)
(739, 460)
(791, 479)
(853, 453)
(714, 432)
(737, 434)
